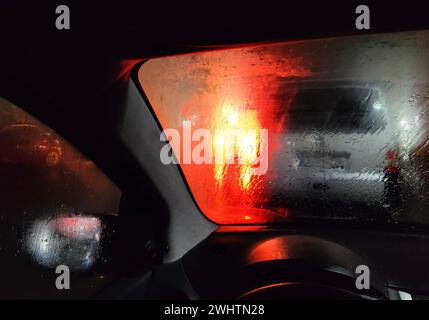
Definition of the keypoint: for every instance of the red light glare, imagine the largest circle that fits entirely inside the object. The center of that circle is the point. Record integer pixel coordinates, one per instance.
(226, 91)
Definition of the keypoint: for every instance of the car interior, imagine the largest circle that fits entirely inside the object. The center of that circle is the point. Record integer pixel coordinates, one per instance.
(336, 119)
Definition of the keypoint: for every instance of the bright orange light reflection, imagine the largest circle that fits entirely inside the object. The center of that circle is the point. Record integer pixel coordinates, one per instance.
(237, 133)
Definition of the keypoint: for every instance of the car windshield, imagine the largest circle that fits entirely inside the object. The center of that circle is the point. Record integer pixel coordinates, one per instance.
(333, 129)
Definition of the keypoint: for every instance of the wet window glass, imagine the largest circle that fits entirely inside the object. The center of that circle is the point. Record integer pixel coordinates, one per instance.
(334, 109)
(333, 129)
(52, 199)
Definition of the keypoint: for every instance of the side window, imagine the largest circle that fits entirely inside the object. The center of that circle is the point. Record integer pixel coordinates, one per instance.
(53, 202)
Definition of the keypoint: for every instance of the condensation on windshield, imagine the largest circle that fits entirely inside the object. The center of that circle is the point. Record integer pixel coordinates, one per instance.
(346, 118)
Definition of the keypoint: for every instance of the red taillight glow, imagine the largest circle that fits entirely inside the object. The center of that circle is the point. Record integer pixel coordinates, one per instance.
(246, 143)
(392, 162)
(79, 227)
(232, 94)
